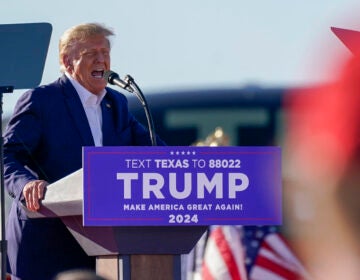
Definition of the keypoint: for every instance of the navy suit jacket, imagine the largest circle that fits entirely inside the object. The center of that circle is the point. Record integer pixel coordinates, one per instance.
(44, 140)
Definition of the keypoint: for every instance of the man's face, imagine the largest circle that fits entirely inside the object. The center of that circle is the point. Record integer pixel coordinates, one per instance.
(87, 62)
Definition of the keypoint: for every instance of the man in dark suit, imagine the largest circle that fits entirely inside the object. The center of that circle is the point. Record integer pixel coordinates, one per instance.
(43, 143)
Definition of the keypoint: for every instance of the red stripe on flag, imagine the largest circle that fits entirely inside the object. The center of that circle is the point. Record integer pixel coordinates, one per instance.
(266, 244)
(226, 253)
(276, 268)
(205, 273)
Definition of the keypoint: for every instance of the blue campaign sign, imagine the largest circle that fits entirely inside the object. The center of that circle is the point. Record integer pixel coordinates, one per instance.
(155, 186)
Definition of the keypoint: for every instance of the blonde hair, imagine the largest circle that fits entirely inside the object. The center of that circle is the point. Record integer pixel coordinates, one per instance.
(80, 33)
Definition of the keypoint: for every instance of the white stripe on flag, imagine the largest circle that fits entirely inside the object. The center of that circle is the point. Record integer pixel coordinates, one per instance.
(277, 244)
(224, 255)
(259, 273)
(214, 261)
(233, 238)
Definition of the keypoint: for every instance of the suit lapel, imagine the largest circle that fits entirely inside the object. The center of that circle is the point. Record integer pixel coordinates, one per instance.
(108, 125)
(77, 112)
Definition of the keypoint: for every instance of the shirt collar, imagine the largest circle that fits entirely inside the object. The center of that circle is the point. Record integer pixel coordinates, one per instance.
(87, 98)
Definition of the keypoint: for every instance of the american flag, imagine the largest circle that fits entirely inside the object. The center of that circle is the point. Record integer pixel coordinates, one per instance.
(250, 253)
(224, 257)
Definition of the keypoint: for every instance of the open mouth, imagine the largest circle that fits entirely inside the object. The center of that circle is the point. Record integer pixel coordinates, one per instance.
(97, 74)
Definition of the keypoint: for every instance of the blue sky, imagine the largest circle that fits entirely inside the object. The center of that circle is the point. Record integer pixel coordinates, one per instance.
(166, 44)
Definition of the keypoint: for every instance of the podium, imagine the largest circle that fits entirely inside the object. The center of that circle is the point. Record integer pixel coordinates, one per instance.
(122, 252)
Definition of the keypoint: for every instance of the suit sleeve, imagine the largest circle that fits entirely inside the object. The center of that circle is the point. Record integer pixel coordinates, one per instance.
(21, 139)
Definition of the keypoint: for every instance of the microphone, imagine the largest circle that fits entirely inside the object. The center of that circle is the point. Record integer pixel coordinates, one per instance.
(113, 78)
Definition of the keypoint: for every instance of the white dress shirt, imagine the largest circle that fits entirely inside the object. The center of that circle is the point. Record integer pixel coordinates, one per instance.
(91, 104)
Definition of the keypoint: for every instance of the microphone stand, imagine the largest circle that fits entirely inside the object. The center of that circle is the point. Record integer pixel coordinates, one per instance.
(3, 242)
(137, 91)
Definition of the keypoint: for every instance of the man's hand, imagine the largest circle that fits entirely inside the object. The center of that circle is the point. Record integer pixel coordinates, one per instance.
(33, 192)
